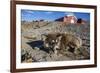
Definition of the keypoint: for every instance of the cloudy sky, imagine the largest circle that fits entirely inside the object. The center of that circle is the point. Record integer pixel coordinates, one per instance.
(30, 15)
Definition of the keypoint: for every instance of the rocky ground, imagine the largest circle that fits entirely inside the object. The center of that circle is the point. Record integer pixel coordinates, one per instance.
(31, 37)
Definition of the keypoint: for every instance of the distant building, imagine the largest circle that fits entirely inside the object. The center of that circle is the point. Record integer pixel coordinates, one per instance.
(41, 20)
(81, 21)
(69, 19)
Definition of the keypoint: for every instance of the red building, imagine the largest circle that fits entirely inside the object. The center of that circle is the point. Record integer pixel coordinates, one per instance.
(70, 19)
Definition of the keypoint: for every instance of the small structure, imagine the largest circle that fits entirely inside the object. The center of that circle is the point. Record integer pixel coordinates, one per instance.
(41, 20)
(81, 21)
(70, 19)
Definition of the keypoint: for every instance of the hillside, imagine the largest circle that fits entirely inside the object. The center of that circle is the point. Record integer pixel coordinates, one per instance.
(32, 31)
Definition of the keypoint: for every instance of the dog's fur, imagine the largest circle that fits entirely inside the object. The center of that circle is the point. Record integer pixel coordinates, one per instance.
(61, 41)
(70, 42)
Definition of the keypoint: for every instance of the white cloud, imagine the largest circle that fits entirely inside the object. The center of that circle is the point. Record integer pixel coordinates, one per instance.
(29, 11)
(48, 12)
(69, 13)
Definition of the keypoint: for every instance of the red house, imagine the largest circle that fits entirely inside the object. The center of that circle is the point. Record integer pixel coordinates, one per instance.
(70, 19)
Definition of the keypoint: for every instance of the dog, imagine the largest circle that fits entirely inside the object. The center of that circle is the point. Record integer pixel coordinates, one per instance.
(61, 41)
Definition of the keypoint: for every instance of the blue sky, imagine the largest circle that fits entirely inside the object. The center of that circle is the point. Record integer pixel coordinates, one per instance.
(30, 15)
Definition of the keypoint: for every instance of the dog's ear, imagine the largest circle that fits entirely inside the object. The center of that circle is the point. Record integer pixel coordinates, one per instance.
(43, 37)
(59, 36)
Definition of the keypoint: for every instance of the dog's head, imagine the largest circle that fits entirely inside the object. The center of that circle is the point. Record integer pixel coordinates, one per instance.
(52, 40)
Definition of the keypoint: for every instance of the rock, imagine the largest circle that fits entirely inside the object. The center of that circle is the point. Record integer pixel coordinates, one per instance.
(32, 31)
(36, 48)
